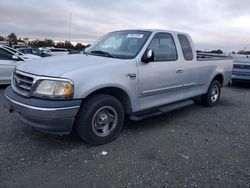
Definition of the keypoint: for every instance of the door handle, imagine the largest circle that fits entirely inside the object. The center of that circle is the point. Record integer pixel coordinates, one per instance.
(179, 71)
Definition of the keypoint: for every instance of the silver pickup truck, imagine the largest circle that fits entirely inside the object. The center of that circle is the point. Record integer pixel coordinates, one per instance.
(137, 73)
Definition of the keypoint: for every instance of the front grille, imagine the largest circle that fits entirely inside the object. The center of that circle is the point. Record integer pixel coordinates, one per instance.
(241, 66)
(22, 83)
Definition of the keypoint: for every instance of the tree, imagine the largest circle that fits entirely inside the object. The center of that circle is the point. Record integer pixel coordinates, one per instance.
(60, 45)
(12, 38)
(79, 47)
(216, 51)
(49, 42)
(68, 44)
(88, 45)
(1, 38)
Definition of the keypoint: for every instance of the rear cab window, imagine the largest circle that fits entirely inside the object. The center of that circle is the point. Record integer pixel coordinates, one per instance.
(186, 47)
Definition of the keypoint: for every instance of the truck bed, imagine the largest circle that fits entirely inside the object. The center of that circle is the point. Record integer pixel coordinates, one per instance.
(210, 56)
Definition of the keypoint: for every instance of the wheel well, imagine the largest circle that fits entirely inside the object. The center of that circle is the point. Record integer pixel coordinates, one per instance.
(219, 77)
(118, 93)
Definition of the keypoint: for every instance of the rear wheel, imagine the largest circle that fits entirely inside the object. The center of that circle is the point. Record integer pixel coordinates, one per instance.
(100, 119)
(212, 96)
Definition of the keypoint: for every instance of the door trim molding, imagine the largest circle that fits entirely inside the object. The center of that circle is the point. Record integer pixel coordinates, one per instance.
(166, 89)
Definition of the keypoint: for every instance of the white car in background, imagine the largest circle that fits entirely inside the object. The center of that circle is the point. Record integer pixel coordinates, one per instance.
(9, 58)
(56, 51)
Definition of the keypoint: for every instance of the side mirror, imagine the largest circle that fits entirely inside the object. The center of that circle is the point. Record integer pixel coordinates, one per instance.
(15, 58)
(148, 56)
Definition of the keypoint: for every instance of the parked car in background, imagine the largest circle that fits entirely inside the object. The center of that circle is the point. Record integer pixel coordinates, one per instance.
(27, 50)
(139, 73)
(4, 43)
(72, 51)
(241, 68)
(20, 46)
(34, 51)
(56, 51)
(9, 58)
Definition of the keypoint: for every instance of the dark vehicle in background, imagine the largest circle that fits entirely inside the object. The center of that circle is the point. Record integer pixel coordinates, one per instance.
(17, 46)
(241, 68)
(25, 50)
(72, 51)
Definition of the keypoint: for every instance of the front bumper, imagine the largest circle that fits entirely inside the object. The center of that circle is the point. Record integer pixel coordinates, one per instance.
(53, 116)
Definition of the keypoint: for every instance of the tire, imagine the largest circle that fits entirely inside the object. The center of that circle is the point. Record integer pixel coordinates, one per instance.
(99, 119)
(212, 96)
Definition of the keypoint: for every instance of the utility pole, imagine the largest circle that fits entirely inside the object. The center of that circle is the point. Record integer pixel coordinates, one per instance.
(70, 26)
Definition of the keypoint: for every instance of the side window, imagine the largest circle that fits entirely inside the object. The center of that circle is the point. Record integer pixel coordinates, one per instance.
(5, 55)
(186, 47)
(164, 47)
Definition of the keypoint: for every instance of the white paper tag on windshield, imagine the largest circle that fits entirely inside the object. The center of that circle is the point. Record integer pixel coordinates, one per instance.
(138, 36)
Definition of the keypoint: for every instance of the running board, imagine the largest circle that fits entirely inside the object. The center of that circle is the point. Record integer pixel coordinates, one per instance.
(160, 110)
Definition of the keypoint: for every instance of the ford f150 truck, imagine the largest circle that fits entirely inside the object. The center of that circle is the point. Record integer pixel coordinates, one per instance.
(137, 73)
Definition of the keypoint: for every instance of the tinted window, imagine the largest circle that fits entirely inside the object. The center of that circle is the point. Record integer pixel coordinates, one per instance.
(164, 47)
(186, 47)
(26, 51)
(58, 50)
(5, 55)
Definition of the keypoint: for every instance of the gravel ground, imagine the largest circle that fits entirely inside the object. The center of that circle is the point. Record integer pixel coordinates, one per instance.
(191, 147)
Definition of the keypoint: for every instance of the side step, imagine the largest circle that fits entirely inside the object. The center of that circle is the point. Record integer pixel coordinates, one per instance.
(160, 110)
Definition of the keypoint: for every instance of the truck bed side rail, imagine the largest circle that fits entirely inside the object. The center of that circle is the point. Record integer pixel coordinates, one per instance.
(201, 56)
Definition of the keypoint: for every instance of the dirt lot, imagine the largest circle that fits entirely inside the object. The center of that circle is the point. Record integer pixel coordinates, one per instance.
(191, 147)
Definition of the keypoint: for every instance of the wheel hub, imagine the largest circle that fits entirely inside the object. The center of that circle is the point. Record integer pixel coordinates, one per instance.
(103, 119)
(215, 93)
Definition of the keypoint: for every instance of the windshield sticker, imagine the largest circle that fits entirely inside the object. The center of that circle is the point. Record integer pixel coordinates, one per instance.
(138, 36)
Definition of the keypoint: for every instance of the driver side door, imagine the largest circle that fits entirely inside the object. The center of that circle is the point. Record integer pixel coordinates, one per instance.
(160, 81)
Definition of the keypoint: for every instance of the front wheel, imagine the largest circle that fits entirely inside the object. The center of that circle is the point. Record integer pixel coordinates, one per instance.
(212, 96)
(100, 119)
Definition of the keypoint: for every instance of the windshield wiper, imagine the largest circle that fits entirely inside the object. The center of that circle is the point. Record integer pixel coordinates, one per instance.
(101, 53)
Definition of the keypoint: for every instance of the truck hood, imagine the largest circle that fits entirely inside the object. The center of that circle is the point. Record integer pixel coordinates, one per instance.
(57, 66)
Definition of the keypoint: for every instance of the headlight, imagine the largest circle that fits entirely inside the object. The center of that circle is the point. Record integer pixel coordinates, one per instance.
(54, 88)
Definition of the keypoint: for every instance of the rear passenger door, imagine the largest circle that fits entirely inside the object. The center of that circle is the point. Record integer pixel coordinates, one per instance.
(195, 73)
(160, 81)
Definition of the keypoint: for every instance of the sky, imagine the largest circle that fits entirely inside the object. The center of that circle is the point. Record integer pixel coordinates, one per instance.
(213, 24)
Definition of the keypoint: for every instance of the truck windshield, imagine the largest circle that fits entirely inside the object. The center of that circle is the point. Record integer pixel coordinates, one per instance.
(120, 44)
